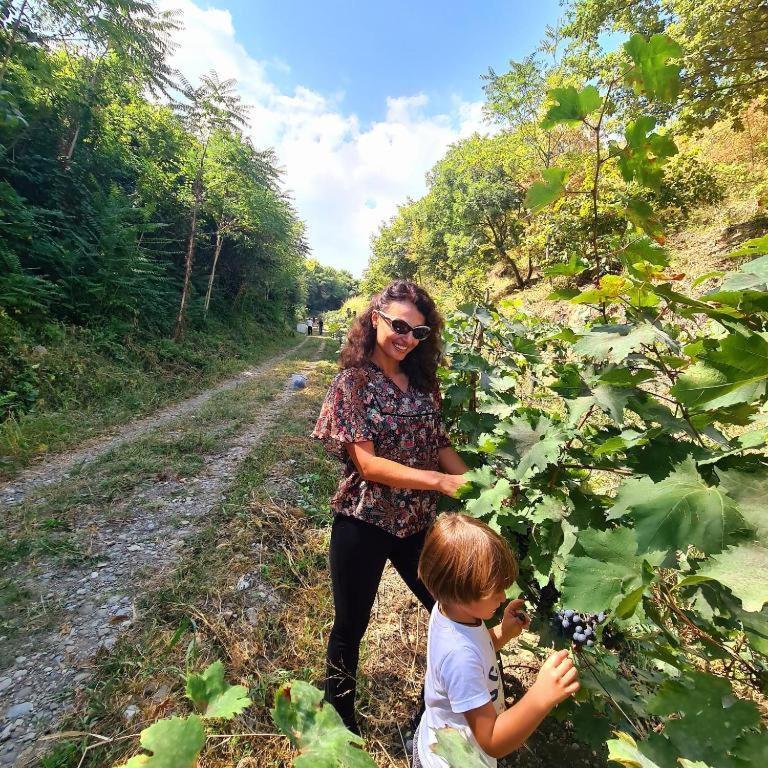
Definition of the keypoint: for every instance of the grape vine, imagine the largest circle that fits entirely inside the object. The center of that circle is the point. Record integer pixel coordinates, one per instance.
(626, 460)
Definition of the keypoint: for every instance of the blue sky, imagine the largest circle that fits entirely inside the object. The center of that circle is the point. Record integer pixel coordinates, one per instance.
(358, 99)
(371, 50)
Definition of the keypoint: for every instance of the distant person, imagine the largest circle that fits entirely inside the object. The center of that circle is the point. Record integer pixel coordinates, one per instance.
(381, 417)
(320, 326)
(467, 569)
(309, 327)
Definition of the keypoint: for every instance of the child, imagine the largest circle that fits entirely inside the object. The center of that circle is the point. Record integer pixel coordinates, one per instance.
(467, 568)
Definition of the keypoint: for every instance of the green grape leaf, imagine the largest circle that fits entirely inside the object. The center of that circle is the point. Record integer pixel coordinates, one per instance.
(651, 75)
(214, 696)
(533, 448)
(614, 343)
(174, 743)
(609, 572)
(454, 748)
(623, 750)
(489, 500)
(482, 476)
(646, 152)
(751, 750)
(316, 729)
(543, 193)
(571, 106)
(734, 372)
(552, 508)
(642, 252)
(609, 288)
(625, 377)
(612, 400)
(640, 213)
(749, 490)
(574, 266)
(750, 276)
(743, 570)
(752, 247)
(745, 289)
(709, 719)
(679, 511)
(618, 443)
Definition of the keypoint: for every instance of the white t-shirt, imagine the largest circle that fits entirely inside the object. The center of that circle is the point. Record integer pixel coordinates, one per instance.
(462, 674)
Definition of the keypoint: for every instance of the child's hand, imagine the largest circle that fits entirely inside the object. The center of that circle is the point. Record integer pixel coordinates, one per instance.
(558, 679)
(514, 620)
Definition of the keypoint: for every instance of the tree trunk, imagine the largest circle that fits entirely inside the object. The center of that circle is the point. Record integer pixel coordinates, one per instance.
(197, 188)
(219, 243)
(518, 277)
(71, 143)
(179, 330)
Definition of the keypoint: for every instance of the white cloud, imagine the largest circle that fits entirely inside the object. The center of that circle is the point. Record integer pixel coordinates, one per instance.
(345, 178)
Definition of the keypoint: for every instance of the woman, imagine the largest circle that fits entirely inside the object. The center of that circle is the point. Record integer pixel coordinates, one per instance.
(381, 416)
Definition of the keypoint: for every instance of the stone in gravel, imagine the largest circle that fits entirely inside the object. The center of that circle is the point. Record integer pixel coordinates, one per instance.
(6, 734)
(81, 591)
(134, 547)
(19, 709)
(5, 682)
(130, 712)
(21, 659)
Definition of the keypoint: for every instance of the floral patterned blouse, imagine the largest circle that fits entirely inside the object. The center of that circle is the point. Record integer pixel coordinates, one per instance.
(364, 404)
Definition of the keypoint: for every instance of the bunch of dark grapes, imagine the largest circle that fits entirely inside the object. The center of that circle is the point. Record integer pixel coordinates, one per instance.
(580, 628)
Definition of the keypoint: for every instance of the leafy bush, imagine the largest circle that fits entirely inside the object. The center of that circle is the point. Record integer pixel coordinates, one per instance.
(689, 183)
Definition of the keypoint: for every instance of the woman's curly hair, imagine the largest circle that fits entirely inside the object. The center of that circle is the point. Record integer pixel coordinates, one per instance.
(421, 363)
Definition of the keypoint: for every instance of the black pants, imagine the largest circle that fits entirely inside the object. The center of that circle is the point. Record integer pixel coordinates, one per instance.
(358, 554)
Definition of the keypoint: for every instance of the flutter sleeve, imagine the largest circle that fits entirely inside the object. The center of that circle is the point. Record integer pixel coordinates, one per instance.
(344, 416)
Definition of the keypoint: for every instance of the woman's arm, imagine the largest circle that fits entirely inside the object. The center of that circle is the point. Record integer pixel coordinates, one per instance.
(377, 469)
(451, 462)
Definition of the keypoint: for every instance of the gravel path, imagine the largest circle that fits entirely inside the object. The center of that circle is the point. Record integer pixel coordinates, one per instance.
(55, 468)
(93, 603)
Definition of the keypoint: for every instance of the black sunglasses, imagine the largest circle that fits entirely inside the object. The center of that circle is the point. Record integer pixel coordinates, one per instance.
(400, 327)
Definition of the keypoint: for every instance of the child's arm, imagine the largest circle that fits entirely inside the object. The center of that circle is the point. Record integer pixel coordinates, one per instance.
(498, 735)
(511, 625)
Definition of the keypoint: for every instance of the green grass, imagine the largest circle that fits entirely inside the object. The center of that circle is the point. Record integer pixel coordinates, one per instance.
(41, 524)
(86, 385)
(181, 619)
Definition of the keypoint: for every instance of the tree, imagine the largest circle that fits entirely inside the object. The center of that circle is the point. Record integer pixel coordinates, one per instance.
(724, 46)
(212, 106)
(241, 184)
(476, 194)
(327, 288)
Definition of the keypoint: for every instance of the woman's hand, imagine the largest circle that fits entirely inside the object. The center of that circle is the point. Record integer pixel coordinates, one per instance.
(449, 484)
(514, 620)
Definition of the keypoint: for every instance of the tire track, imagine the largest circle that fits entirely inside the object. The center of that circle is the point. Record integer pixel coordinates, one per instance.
(94, 603)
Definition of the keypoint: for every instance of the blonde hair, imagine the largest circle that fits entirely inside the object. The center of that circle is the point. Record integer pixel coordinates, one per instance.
(463, 560)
